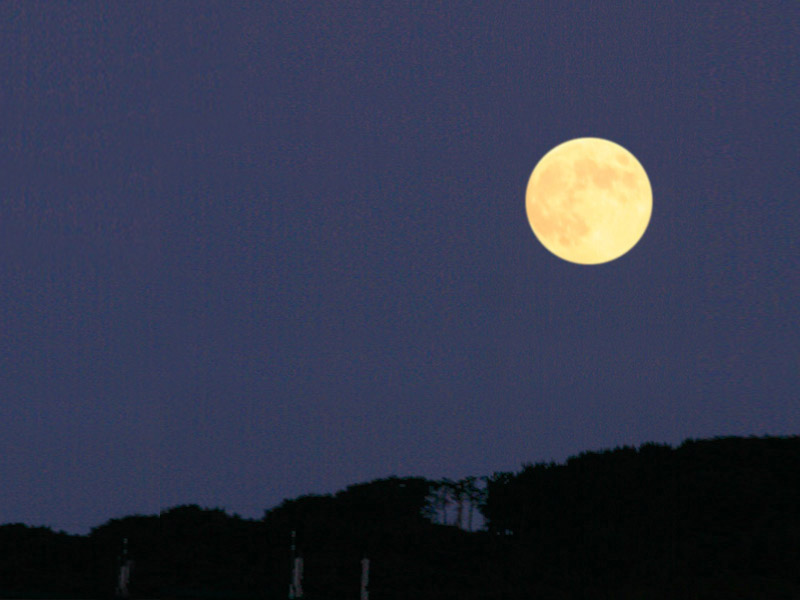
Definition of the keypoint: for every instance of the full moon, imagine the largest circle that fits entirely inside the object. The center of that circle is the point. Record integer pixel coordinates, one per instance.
(589, 201)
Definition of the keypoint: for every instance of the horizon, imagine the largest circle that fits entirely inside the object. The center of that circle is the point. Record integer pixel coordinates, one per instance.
(479, 519)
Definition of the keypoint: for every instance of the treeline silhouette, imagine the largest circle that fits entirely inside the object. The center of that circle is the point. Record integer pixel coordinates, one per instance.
(711, 519)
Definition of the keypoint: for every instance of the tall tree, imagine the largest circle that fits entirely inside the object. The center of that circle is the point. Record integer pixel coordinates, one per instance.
(474, 495)
(459, 492)
(447, 495)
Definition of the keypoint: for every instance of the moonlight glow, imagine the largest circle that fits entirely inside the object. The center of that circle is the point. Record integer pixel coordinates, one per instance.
(589, 201)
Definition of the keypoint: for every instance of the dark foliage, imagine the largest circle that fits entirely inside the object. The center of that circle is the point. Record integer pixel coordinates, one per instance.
(711, 519)
(37, 562)
(716, 517)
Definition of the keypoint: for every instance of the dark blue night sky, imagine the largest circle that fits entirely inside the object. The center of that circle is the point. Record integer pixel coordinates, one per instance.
(254, 250)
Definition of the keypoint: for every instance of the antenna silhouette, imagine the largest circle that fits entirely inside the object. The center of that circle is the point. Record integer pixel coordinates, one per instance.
(296, 586)
(124, 572)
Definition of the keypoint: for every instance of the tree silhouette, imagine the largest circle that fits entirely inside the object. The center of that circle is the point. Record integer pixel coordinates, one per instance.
(475, 496)
(710, 519)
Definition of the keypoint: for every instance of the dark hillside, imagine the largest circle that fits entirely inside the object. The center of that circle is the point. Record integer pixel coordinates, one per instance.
(711, 519)
(723, 510)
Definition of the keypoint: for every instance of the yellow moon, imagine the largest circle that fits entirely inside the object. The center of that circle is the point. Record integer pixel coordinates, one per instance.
(589, 201)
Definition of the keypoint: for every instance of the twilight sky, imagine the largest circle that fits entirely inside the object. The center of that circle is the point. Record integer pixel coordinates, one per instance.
(254, 250)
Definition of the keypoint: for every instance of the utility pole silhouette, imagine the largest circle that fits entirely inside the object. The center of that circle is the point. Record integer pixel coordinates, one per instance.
(364, 578)
(124, 572)
(296, 586)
